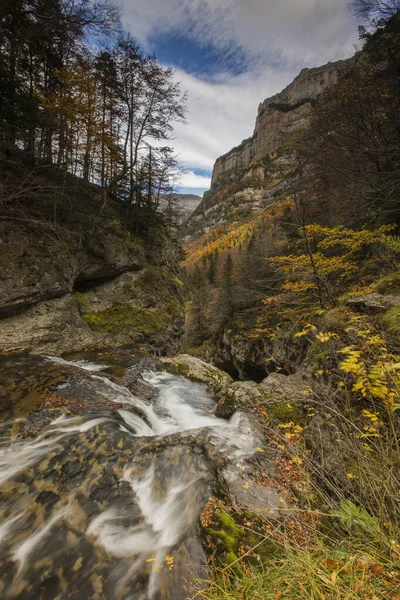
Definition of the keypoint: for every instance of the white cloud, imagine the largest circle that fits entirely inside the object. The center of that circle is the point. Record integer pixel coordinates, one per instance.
(300, 30)
(190, 180)
(277, 38)
(221, 113)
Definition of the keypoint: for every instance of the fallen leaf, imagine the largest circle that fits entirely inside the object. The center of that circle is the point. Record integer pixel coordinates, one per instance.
(377, 569)
(364, 562)
(278, 595)
(330, 563)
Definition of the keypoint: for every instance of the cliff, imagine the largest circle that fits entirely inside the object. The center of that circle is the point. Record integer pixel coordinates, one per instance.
(185, 205)
(74, 276)
(278, 120)
(250, 176)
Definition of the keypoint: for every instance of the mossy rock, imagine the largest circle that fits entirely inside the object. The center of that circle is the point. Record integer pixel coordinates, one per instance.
(83, 302)
(229, 534)
(286, 412)
(122, 317)
(336, 319)
(226, 536)
(182, 368)
(389, 284)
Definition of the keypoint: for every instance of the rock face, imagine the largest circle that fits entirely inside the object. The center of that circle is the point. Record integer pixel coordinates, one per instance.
(110, 291)
(278, 119)
(252, 175)
(185, 205)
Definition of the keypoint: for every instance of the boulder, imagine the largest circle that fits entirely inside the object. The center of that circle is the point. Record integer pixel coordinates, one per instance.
(373, 303)
(198, 370)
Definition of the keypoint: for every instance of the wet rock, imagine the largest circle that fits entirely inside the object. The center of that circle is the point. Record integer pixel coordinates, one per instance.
(198, 370)
(133, 376)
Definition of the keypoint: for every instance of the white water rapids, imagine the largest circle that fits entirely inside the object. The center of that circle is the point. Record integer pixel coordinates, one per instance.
(166, 507)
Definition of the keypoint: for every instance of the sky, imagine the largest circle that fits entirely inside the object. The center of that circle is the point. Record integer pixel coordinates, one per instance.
(229, 55)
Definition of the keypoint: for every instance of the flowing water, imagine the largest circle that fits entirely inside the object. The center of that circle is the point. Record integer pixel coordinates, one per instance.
(101, 494)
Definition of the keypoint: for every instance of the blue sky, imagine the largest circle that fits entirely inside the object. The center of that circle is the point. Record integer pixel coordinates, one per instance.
(229, 55)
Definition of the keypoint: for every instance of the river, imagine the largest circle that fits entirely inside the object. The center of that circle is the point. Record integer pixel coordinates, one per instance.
(101, 489)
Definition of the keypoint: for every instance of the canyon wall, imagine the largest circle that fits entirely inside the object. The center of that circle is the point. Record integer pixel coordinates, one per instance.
(278, 120)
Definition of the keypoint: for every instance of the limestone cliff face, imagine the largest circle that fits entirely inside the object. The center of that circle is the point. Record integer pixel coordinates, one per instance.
(278, 119)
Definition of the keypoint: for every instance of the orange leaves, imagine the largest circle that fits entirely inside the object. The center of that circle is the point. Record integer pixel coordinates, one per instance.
(330, 563)
(377, 569)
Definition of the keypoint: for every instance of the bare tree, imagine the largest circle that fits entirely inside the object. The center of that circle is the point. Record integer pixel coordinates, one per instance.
(375, 11)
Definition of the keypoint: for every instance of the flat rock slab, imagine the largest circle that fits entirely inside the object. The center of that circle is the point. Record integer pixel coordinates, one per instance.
(259, 499)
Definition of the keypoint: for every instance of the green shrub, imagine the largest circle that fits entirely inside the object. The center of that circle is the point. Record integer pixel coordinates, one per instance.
(122, 317)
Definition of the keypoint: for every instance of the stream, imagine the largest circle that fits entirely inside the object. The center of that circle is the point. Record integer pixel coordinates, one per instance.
(101, 489)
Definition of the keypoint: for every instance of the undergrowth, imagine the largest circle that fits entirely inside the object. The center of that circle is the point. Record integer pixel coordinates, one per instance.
(339, 530)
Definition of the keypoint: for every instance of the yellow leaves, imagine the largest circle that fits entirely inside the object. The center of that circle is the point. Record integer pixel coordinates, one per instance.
(292, 431)
(246, 486)
(325, 337)
(260, 450)
(350, 240)
(374, 417)
(307, 329)
(170, 561)
(351, 476)
(297, 460)
(307, 392)
(351, 364)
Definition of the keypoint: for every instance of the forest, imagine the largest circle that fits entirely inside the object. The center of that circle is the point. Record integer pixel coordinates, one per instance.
(79, 94)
